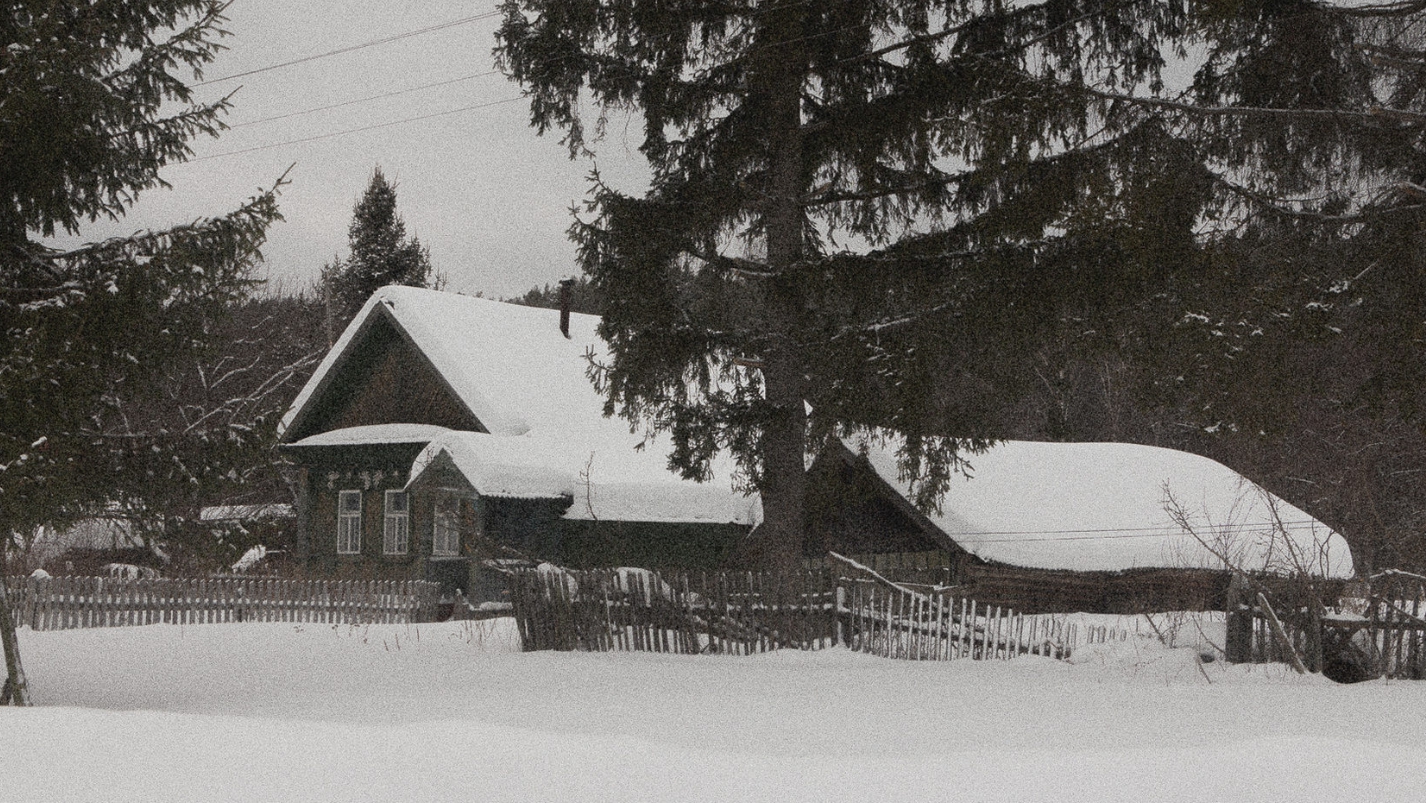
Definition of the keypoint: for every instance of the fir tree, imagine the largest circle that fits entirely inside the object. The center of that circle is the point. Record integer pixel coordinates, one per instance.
(381, 254)
(960, 142)
(85, 126)
(1013, 176)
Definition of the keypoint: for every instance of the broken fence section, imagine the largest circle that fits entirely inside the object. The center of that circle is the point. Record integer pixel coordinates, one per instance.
(742, 613)
(1378, 630)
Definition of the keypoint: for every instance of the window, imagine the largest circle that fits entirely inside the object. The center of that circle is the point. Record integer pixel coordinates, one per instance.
(445, 536)
(348, 522)
(396, 532)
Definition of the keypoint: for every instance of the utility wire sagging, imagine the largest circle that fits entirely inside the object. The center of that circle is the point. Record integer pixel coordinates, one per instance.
(352, 48)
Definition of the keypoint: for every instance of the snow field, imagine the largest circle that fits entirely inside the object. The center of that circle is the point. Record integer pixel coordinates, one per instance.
(453, 711)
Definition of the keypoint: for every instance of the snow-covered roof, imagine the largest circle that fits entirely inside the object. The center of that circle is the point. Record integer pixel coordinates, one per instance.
(507, 363)
(605, 479)
(527, 385)
(375, 433)
(1101, 506)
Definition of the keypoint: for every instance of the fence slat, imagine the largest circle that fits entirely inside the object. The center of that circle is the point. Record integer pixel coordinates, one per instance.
(57, 603)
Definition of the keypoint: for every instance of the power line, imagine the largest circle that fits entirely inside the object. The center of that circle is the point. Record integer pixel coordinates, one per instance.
(352, 130)
(368, 99)
(1166, 527)
(350, 48)
(1065, 535)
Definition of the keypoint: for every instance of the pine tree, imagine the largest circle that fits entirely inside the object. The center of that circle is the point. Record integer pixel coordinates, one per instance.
(959, 145)
(85, 127)
(381, 254)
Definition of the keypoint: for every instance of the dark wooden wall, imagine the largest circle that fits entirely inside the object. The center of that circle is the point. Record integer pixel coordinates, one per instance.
(383, 380)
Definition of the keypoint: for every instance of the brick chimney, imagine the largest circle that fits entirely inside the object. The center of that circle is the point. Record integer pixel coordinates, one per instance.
(566, 289)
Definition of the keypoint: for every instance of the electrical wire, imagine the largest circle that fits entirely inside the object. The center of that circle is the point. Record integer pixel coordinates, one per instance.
(352, 48)
(1167, 528)
(418, 32)
(368, 99)
(350, 131)
(973, 540)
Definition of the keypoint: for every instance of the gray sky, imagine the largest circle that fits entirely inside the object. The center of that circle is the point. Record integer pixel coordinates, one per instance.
(486, 195)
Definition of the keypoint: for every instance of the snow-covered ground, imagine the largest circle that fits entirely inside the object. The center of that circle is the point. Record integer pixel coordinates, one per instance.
(283, 712)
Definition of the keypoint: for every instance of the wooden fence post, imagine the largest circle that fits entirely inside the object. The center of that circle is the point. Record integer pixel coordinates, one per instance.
(1238, 646)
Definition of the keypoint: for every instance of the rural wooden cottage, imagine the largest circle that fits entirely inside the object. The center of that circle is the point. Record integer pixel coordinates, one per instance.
(1072, 526)
(443, 430)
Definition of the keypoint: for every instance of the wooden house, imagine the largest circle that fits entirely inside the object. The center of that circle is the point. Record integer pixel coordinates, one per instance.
(1107, 527)
(444, 430)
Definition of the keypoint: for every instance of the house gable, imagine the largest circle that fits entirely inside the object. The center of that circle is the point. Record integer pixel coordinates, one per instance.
(381, 377)
(852, 510)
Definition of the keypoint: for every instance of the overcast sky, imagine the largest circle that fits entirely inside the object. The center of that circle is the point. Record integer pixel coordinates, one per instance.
(489, 197)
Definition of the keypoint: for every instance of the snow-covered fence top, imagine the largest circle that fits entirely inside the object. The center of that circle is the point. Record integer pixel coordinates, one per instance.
(57, 603)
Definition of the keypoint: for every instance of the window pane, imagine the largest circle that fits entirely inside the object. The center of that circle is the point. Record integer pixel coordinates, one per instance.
(396, 502)
(445, 535)
(351, 501)
(348, 522)
(396, 529)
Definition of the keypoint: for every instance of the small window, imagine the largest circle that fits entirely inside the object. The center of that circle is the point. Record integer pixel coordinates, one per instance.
(445, 536)
(348, 522)
(396, 532)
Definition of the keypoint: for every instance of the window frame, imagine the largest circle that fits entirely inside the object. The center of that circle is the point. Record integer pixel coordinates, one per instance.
(396, 524)
(445, 527)
(349, 523)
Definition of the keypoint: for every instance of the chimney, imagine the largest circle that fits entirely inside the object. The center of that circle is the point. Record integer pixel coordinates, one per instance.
(566, 286)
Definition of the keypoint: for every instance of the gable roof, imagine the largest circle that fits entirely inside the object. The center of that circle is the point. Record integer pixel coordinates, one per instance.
(545, 432)
(1101, 506)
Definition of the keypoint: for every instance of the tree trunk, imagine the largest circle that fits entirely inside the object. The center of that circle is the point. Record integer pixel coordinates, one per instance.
(784, 441)
(15, 692)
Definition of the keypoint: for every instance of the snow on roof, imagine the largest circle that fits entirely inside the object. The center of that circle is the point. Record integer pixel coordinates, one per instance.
(605, 480)
(508, 363)
(1101, 506)
(527, 385)
(375, 433)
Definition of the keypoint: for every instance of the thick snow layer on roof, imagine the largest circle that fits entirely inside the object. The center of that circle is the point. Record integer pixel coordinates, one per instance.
(1101, 506)
(375, 433)
(508, 363)
(527, 385)
(607, 480)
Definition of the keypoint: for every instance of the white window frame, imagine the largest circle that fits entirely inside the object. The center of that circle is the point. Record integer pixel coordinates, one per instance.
(348, 523)
(396, 525)
(445, 527)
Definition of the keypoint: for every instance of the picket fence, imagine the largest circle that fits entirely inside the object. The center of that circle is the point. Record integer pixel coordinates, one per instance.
(59, 603)
(1376, 629)
(743, 613)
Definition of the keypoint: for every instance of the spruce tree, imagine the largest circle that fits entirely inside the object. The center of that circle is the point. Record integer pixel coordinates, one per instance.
(958, 146)
(95, 105)
(381, 254)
